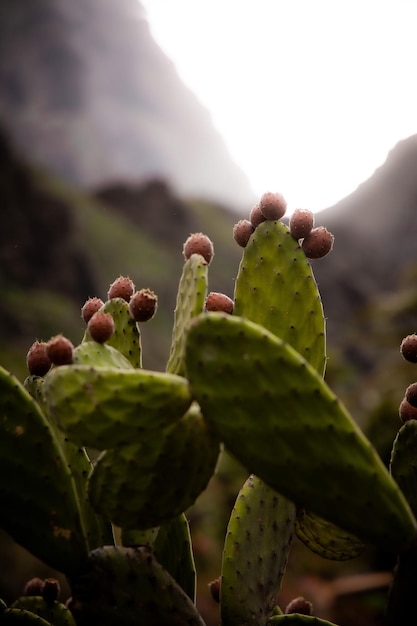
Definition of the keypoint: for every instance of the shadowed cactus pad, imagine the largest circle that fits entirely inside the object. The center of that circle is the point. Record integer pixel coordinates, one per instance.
(276, 415)
(106, 407)
(145, 484)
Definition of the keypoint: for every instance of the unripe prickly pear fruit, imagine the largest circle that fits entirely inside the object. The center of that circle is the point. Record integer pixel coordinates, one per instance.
(242, 231)
(301, 223)
(407, 411)
(273, 205)
(122, 287)
(198, 243)
(256, 217)
(219, 302)
(37, 359)
(101, 327)
(60, 350)
(143, 305)
(299, 605)
(318, 243)
(91, 306)
(408, 348)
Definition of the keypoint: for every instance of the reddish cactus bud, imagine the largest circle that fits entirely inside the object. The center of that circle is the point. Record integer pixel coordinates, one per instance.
(51, 590)
(299, 605)
(408, 348)
(407, 411)
(198, 243)
(318, 243)
(273, 205)
(60, 350)
(91, 306)
(143, 305)
(219, 302)
(214, 587)
(242, 232)
(122, 287)
(101, 327)
(301, 223)
(411, 394)
(33, 587)
(37, 359)
(256, 217)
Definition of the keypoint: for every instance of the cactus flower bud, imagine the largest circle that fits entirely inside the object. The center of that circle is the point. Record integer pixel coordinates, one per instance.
(408, 348)
(273, 205)
(122, 287)
(91, 306)
(219, 302)
(198, 243)
(60, 350)
(242, 231)
(101, 327)
(317, 243)
(37, 359)
(143, 305)
(256, 217)
(301, 223)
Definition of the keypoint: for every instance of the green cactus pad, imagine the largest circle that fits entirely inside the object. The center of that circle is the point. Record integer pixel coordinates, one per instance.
(40, 502)
(56, 613)
(126, 337)
(275, 288)
(191, 297)
(106, 407)
(255, 555)
(127, 586)
(21, 617)
(171, 545)
(100, 355)
(277, 416)
(325, 538)
(295, 619)
(403, 464)
(145, 484)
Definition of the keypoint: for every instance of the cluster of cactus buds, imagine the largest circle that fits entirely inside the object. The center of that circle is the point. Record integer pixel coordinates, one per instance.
(108, 456)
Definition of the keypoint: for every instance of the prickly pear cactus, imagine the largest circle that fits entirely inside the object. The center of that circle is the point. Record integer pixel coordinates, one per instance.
(238, 370)
(55, 612)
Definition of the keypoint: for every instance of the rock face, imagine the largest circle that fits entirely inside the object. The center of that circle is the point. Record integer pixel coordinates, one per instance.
(87, 92)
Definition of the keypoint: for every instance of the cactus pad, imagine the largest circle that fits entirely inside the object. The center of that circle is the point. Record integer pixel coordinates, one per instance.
(277, 416)
(99, 355)
(56, 613)
(403, 464)
(295, 619)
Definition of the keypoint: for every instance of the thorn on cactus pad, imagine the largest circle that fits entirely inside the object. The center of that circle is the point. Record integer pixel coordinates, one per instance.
(256, 217)
(91, 306)
(318, 243)
(101, 327)
(407, 411)
(198, 243)
(299, 605)
(411, 394)
(408, 348)
(37, 359)
(219, 302)
(143, 305)
(60, 350)
(122, 287)
(273, 205)
(301, 223)
(242, 231)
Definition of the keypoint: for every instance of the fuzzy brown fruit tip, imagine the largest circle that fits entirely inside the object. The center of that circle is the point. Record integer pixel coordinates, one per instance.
(101, 327)
(242, 232)
(91, 306)
(60, 350)
(143, 305)
(408, 348)
(198, 243)
(318, 243)
(273, 205)
(219, 302)
(37, 359)
(122, 287)
(301, 223)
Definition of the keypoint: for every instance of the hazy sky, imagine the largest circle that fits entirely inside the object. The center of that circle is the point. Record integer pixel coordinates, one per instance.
(309, 96)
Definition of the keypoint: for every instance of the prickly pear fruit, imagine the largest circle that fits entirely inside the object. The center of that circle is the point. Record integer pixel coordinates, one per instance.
(198, 243)
(255, 554)
(60, 350)
(301, 223)
(318, 243)
(55, 613)
(143, 305)
(127, 586)
(237, 369)
(190, 302)
(126, 336)
(402, 464)
(91, 306)
(146, 484)
(273, 205)
(326, 539)
(37, 359)
(406, 411)
(275, 287)
(255, 216)
(299, 605)
(41, 509)
(104, 408)
(216, 301)
(101, 327)
(123, 287)
(242, 232)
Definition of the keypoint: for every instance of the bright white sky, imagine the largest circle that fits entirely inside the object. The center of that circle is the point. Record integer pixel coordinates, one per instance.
(309, 96)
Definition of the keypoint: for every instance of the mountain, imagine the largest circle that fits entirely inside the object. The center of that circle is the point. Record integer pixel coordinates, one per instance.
(86, 92)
